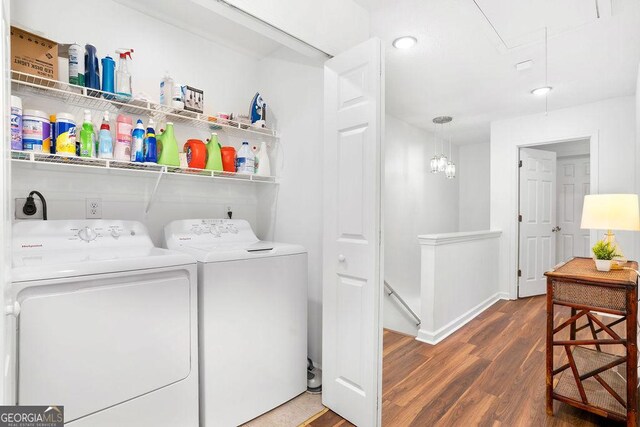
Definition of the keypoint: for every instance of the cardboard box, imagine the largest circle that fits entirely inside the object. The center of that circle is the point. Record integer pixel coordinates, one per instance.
(33, 54)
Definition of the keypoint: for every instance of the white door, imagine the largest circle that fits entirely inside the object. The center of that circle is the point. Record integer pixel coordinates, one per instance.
(537, 252)
(352, 284)
(573, 184)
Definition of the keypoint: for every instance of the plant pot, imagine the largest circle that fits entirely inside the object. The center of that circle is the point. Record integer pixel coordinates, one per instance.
(603, 264)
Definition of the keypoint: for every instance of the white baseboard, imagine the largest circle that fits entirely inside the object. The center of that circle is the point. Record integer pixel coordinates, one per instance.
(434, 337)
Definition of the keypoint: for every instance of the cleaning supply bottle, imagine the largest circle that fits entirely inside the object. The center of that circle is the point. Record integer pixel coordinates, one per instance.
(91, 70)
(87, 137)
(166, 90)
(177, 101)
(150, 144)
(108, 70)
(169, 148)
(245, 160)
(122, 149)
(263, 167)
(123, 77)
(214, 156)
(105, 140)
(137, 143)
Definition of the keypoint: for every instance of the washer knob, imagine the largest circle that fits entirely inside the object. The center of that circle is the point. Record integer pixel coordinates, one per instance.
(115, 233)
(87, 234)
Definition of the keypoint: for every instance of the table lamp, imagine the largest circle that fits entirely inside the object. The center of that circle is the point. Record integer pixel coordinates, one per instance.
(611, 212)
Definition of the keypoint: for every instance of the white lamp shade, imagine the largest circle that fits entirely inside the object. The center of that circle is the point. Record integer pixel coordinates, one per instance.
(610, 212)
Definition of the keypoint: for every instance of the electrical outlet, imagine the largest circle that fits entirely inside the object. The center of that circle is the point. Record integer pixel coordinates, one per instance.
(94, 208)
(19, 214)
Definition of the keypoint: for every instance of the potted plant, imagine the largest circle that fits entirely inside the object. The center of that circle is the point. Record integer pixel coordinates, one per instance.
(604, 252)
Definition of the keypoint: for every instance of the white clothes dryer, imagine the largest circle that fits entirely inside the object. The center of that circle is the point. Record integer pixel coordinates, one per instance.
(106, 324)
(252, 318)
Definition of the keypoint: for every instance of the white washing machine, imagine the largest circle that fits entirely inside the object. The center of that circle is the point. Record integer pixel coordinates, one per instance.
(253, 318)
(106, 324)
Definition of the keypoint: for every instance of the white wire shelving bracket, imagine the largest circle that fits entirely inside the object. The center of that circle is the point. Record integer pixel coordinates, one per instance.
(22, 83)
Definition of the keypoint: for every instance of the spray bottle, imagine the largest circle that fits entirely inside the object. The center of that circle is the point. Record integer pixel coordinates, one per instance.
(105, 140)
(137, 143)
(87, 137)
(123, 77)
(150, 144)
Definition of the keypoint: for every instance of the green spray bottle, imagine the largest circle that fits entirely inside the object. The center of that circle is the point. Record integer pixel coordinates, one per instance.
(214, 157)
(87, 137)
(168, 147)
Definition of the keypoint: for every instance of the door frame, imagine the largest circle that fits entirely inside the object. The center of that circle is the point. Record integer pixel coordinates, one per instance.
(593, 138)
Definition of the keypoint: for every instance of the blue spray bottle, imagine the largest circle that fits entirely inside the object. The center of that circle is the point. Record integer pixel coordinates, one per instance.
(150, 144)
(105, 140)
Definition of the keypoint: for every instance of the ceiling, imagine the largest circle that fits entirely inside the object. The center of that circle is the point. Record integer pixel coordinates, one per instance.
(464, 62)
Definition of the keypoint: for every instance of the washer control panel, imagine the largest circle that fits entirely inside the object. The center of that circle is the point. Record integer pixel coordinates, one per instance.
(207, 231)
(76, 234)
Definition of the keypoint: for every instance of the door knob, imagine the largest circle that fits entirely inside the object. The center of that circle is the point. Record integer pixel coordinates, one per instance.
(556, 228)
(342, 258)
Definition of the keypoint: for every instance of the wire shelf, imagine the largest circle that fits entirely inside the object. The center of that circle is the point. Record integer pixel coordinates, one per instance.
(87, 98)
(90, 162)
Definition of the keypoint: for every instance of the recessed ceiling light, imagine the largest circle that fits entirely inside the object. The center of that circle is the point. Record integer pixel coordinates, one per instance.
(541, 90)
(404, 42)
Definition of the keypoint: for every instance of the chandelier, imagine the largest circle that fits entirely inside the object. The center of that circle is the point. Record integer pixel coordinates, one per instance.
(440, 162)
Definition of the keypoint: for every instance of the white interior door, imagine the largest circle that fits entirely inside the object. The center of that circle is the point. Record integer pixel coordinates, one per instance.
(537, 252)
(573, 184)
(352, 285)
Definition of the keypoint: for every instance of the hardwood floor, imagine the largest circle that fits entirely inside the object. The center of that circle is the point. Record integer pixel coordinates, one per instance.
(488, 373)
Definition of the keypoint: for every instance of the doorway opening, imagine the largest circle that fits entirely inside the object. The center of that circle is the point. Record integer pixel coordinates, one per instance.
(553, 180)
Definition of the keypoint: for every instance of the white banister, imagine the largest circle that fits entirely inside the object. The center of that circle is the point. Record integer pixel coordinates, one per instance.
(459, 280)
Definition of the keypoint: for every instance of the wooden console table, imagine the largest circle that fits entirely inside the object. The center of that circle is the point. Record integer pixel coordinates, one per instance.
(594, 379)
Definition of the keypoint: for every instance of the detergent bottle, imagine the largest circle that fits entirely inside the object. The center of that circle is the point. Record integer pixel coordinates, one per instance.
(122, 148)
(91, 70)
(123, 76)
(87, 137)
(150, 144)
(245, 159)
(105, 140)
(137, 143)
(263, 167)
(214, 157)
(169, 153)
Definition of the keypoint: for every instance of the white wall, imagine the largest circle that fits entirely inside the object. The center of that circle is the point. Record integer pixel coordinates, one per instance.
(612, 121)
(296, 87)
(331, 25)
(473, 173)
(415, 202)
(454, 292)
(227, 77)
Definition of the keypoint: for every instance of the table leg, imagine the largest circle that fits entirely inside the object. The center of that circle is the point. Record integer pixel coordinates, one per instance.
(572, 330)
(549, 376)
(632, 357)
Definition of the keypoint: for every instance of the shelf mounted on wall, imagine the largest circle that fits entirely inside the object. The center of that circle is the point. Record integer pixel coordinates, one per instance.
(28, 84)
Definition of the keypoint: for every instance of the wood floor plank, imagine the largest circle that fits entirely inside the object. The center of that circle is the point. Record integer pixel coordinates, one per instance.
(488, 373)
